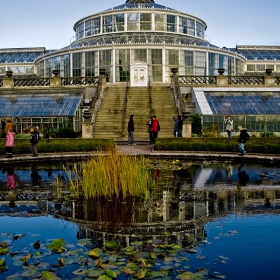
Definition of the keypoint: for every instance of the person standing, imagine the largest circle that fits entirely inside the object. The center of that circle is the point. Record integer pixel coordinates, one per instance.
(229, 126)
(155, 128)
(3, 125)
(176, 123)
(130, 129)
(10, 136)
(34, 139)
(180, 126)
(9, 125)
(149, 125)
(243, 138)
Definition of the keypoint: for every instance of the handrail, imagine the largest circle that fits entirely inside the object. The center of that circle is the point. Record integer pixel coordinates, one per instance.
(177, 93)
(97, 103)
(124, 107)
(91, 80)
(197, 80)
(150, 96)
(25, 82)
(246, 80)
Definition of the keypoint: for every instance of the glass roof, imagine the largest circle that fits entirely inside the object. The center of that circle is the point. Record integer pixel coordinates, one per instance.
(140, 37)
(244, 103)
(21, 56)
(40, 105)
(264, 53)
(140, 4)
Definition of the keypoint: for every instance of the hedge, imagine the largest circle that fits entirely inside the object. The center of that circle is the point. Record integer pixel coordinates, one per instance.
(22, 146)
(253, 145)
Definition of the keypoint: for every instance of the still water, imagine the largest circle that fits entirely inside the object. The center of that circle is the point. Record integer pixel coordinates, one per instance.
(203, 220)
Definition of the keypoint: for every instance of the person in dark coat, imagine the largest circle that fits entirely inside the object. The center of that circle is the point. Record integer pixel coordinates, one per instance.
(3, 125)
(243, 138)
(176, 122)
(130, 129)
(34, 139)
(180, 126)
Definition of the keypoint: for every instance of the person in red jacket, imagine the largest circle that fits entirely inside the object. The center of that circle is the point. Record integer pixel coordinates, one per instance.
(155, 128)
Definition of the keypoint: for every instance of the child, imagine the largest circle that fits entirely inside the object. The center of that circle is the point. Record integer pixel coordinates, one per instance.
(9, 143)
(34, 139)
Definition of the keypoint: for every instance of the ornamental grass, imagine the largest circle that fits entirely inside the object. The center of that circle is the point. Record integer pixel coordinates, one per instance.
(114, 175)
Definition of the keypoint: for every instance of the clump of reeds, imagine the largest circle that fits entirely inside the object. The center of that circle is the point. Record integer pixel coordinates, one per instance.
(114, 175)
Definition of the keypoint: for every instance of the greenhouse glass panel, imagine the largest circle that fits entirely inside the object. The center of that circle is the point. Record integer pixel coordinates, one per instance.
(253, 103)
(38, 105)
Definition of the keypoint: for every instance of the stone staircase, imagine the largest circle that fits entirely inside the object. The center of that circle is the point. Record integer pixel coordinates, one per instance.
(109, 118)
(138, 104)
(164, 108)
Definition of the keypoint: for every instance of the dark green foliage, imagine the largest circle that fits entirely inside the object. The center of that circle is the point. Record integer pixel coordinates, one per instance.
(196, 124)
(66, 133)
(22, 146)
(268, 134)
(211, 131)
(50, 132)
(223, 144)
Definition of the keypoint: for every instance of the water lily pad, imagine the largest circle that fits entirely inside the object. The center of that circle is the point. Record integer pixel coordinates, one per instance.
(104, 277)
(29, 273)
(129, 270)
(2, 261)
(111, 273)
(137, 243)
(80, 271)
(166, 267)
(14, 277)
(84, 241)
(57, 245)
(141, 273)
(50, 276)
(112, 245)
(3, 268)
(94, 273)
(93, 253)
(4, 251)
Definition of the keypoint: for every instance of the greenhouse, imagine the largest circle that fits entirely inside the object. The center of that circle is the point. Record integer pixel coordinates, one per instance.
(42, 110)
(257, 109)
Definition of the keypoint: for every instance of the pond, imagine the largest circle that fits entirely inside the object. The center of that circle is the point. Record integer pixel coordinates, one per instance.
(202, 220)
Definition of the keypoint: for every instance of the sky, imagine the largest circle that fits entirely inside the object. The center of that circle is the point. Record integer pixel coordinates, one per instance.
(49, 23)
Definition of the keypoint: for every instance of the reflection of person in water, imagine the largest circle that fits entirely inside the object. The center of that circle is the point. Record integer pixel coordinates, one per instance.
(242, 175)
(228, 170)
(11, 177)
(36, 178)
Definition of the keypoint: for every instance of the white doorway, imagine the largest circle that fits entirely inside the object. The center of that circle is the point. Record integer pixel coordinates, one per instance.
(139, 74)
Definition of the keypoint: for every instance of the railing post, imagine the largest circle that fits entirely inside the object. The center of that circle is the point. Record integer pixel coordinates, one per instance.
(270, 81)
(222, 81)
(102, 77)
(55, 82)
(8, 83)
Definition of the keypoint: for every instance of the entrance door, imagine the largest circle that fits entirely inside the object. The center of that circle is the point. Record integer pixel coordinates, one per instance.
(139, 76)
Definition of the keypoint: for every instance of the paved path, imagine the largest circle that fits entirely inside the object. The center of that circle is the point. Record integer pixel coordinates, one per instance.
(147, 150)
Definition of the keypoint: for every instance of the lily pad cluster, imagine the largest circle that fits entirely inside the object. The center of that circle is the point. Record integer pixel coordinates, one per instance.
(156, 258)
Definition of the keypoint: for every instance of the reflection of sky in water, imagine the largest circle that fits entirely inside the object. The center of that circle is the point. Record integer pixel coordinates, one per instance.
(217, 174)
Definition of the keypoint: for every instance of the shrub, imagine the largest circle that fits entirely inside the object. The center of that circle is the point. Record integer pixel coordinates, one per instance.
(267, 134)
(196, 124)
(66, 133)
(22, 146)
(212, 131)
